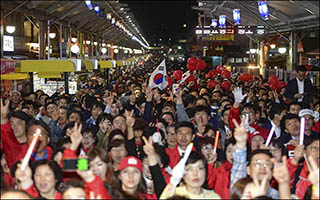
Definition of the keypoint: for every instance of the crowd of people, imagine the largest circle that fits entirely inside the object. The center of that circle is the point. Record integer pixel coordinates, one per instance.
(126, 140)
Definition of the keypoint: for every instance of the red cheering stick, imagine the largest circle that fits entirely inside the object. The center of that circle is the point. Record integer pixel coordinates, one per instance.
(30, 149)
(216, 142)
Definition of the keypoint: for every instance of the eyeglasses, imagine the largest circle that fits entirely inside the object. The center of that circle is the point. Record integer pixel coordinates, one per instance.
(207, 147)
(314, 149)
(259, 163)
(191, 169)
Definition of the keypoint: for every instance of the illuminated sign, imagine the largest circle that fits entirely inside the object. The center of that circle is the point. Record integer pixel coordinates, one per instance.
(248, 30)
(8, 43)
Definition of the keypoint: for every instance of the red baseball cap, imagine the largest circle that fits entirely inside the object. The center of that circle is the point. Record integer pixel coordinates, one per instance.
(252, 135)
(130, 161)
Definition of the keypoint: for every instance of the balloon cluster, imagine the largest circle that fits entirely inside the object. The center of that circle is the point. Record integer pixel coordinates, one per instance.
(275, 84)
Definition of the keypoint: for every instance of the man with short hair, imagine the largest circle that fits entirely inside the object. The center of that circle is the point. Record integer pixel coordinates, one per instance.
(184, 134)
(259, 162)
(294, 107)
(276, 113)
(290, 125)
(297, 88)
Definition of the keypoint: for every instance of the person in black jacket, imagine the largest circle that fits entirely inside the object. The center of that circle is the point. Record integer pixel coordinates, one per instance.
(300, 86)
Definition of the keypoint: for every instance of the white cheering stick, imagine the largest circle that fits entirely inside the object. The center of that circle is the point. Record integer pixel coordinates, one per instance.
(270, 135)
(187, 152)
(302, 122)
(30, 149)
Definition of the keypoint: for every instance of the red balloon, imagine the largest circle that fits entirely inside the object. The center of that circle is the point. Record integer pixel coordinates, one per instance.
(213, 73)
(170, 81)
(220, 68)
(212, 84)
(177, 75)
(201, 65)
(226, 74)
(282, 84)
(191, 67)
(208, 76)
(308, 67)
(191, 78)
(273, 82)
(225, 85)
(192, 61)
(246, 77)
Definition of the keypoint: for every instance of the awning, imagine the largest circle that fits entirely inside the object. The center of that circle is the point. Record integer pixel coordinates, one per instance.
(119, 63)
(47, 66)
(49, 75)
(106, 64)
(15, 76)
(88, 64)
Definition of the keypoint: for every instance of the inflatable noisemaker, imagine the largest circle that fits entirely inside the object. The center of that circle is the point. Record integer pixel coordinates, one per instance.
(270, 135)
(30, 149)
(216, 142)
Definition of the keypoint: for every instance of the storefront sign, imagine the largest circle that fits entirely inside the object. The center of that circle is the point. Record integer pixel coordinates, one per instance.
(8, 43)
(7, 66)
(248, 30)
(50, 87)
(218, 37)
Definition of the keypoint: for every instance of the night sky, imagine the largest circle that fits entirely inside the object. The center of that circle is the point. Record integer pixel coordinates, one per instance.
(164, 19)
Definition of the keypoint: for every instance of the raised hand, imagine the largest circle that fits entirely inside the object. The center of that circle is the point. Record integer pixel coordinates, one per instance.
(238, 96)
(93, 197)
(130, 120)
(76, 136)
(280, 171)
(259, 188)
(149, 94)
(109, 99)
(298, 153)
(313, 176)
(24, 177)
(240, 133)
(4, 111)
(148, 147)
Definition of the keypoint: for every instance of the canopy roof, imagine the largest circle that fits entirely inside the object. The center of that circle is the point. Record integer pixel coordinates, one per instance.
(77, 15)
(284, 15)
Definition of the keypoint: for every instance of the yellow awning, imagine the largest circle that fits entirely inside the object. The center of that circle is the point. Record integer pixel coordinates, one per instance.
(15, 76)
(47, 66)
(132, 59)
(49, 75)
(119, 63)
(88, 64)
(105, 64)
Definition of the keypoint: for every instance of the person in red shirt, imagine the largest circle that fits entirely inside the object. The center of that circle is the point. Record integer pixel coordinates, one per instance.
(185, 133)
(13, 133)
(299, 181)
(44, 182)
(131, 180)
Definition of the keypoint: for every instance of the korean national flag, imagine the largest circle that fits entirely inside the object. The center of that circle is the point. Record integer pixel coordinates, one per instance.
(159, 77)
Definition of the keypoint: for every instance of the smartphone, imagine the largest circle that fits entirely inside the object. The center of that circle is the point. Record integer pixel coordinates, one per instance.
(72, 165)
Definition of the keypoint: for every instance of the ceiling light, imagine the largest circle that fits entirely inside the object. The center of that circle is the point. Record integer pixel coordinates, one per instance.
(88, 42)
(104, 50)
(74, 40)
(95, 43)
(89, 5)
(113, 20)
(52, 35)
(282, 50)
(109, 16)
(75, 49)
(10, 29)
(97, 8)
(108, 45)
(253, 51)
(272, 46)
(103, 44)
(116, 50)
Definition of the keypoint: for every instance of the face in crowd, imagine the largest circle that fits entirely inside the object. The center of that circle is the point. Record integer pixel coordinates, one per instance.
(260, 166)
(171, 137)
(184, 136)
(120, 123)
(44, 138)
(292, 126)
(195, 174)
